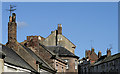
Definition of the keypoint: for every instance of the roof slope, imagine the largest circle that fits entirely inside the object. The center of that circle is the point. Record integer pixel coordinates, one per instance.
(13, 58)
(52, 53)
(61, 51)
(45, 64)
(104, 58)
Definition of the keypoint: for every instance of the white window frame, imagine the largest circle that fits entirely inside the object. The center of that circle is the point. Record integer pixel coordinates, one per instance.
(76, 65)
(67, 66)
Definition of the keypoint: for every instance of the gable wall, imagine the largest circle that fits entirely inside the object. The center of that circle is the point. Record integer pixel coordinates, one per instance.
(50, 40)
(62, 41)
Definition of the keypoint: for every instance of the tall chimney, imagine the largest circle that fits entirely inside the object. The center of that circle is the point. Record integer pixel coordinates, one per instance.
(12, 28)
(108, 52)
(99, 54)
(59, 29)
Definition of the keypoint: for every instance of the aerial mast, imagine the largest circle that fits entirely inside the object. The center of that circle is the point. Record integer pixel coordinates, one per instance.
(11, 9)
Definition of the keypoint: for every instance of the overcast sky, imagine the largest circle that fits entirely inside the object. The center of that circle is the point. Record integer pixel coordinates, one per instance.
(86, 24)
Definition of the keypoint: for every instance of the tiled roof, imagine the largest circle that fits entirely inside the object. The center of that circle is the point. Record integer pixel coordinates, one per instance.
(104, 59)
(45, 64)
(13, 58)
(52, 53)
(61, 51)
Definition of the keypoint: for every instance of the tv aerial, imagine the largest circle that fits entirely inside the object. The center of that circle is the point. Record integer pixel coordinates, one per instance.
(12, 8)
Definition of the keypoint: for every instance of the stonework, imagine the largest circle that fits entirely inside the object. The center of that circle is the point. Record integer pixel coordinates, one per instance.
(38, 45)
(71, 64)
(35, 54)
(57, 39)
(42, 52)
(17, 47)
(12, 32)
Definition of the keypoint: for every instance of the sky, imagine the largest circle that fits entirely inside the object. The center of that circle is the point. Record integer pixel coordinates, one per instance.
(86, 24)
(60, 0)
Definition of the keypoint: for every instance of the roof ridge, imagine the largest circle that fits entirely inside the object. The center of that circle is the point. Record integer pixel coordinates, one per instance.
(46, 49)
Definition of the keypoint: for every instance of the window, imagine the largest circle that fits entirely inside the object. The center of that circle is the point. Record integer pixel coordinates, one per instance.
(62, 69)
(75, 64)
(67, 66)
(56, 66)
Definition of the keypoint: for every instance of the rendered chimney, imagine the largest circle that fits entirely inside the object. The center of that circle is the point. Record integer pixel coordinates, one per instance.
(59, 29)
(99, 54)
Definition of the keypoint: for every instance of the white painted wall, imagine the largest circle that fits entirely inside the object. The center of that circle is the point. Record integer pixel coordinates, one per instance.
(1, 65)
(11, 68)
(44, 72)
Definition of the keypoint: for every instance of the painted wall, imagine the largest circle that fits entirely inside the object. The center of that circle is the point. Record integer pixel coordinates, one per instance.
(1, 65)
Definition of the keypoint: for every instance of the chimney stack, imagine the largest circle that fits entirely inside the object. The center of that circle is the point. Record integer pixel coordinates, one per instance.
(99, 54)
(92, 50)
(87, 53)
(108, 52)
(12, 32)
(12, 28)
(59, 29)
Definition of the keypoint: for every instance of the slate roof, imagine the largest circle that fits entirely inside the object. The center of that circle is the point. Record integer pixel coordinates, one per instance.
(52, 53)
(104, 59)
(11, 57)
(45, 64)
(46, 49)
(61, 51)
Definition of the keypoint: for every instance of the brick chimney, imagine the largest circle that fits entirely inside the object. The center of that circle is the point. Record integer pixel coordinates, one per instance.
(108, 52)
(99, 54)
(59, 29)
(12, 28)
(33, 41)
(87, 53)
(92, 50)
(12, 32)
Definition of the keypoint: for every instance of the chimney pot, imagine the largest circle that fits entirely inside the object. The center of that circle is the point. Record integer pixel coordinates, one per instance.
(59, 29)
(92, 50)
(108, 52)
(99, 54)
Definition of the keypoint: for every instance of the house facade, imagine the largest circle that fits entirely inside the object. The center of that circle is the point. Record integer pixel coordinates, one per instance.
(19, 58)
(106, 63)
(50, 45)
(56, 38)
(36, 55)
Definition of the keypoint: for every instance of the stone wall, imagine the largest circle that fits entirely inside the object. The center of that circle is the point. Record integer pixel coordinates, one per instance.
(71, 64)
(50, 40)
(64, 42)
